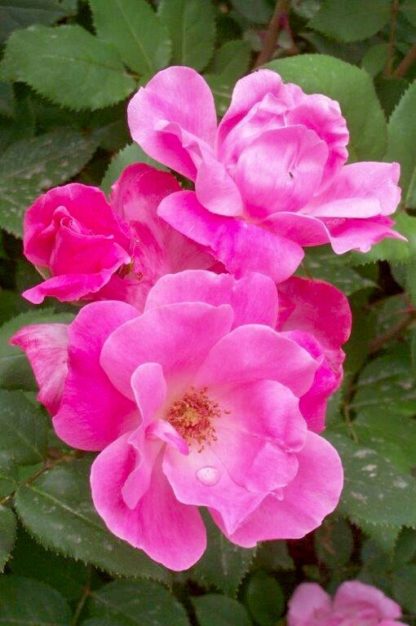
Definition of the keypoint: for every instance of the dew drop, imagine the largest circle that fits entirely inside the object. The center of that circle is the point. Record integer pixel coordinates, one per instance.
(208, 475)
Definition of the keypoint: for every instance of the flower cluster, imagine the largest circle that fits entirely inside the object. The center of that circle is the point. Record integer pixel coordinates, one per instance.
(199, 367)
(354, 604)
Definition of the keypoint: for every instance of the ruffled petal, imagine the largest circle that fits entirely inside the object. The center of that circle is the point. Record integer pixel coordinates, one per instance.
(177, 336)
(253, 297)
(92, 412)
(254, 352)
(171, 533)
(172, 116)
(308, 603)
(46, 347)
(303, 505)
(241, 246)
(355, 594)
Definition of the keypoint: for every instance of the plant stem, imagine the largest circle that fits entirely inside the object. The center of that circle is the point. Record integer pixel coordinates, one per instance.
(406, 63)
(278, 22)
(388, 70)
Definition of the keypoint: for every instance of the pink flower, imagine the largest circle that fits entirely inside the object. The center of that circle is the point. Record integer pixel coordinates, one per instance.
(318, 315)
(354, 604)
(195, 402)
(270, 179)
(89, 249)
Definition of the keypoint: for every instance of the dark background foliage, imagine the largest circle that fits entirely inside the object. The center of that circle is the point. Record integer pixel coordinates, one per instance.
(67, 71)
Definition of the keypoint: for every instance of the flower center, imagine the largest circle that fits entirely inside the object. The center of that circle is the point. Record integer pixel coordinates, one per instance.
(192, 417)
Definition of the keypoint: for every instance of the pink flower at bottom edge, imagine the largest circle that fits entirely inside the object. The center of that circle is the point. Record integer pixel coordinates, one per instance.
(354, 604)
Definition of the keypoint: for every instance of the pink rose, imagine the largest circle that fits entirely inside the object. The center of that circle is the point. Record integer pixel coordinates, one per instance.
(354, 604)
(195, 402)
(90, 249)
(270, 179)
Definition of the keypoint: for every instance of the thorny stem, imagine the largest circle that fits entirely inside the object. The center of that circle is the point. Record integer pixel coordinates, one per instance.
(278, 23)
(388, 70)
(406, 63)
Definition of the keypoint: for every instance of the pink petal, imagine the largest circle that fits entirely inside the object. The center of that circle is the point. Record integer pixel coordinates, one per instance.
(303, 505)
(316, 307)
(360, 190)
(159, 248)
(354, 593)
(172, 116)
(92, 412)
(150, 390)
(169, 532)
(215, 188)
(83, 203)
(280, 170)
(323, 115)
(253, 297)
(241, 246)
(254, 352)
(307, 600)
(177, 336)
(46, 347)
(248, 91)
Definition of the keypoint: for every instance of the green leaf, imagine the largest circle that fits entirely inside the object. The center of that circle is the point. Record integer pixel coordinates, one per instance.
(409, 10)
(401, 136)
(135, 31)
(8, 475)
(145, 603)
(15, 371)
(230, 62)
(22, 13)
(374, 490)
(334, 542)
(351, 86)
(351, 20)
(68, 65)
(224, 564)
(264, 598)
(216, 610)
(191, 25)
(23, 427)
(387, 384)
(257, 11)
(29, 602)
(65, 575)
(404, 585)
(57, 509)
(128, 155)
(322, 263)
(6, 100)
(7, 535)
(382, 535)
(375, 59)
(31, 166)
(274, 555)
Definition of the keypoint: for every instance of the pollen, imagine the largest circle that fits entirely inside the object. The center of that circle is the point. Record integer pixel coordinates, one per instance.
(193, 416)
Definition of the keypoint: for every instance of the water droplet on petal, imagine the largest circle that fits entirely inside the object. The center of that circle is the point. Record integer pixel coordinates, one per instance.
(208, 475)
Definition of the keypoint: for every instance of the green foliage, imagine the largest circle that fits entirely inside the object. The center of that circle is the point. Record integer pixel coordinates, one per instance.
(56, 507)
(23, 428)
(26, 601)
(223, 565)
(145, 603)
(137, 33)
(349, 85)
(215, 610)
(7, 535)
(401, 137)
(127, 156)
(265, 599)
(191, 25)
(31, 166)
(22, 13)
(53, 60)
(351, 20)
